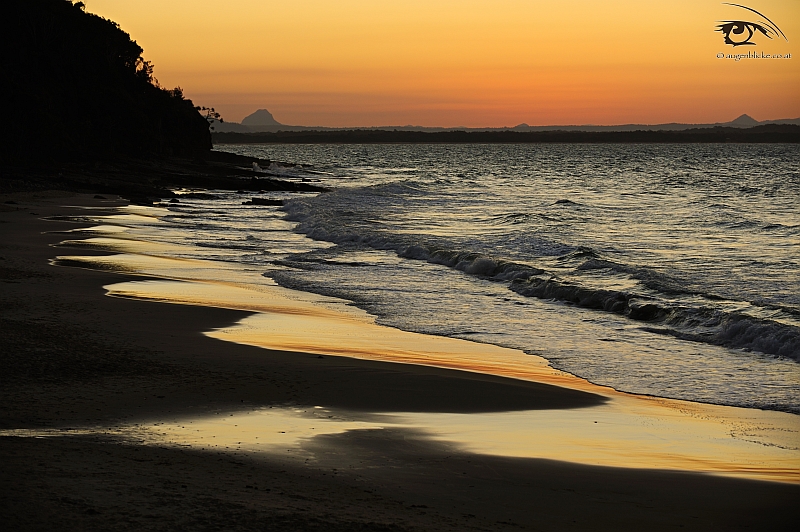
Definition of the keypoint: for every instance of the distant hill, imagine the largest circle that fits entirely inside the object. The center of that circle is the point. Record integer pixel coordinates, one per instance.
(744, 121)
(76, 86)
(262, 121)
(769, 133)
(262, 117)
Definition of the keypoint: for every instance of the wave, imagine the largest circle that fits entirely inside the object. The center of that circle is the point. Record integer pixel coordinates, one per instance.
(469, 262)
(746, 333)
(517, 218)
(699, 324)
(781, 227)
(342, 220)
(256, 247)
(649, 278)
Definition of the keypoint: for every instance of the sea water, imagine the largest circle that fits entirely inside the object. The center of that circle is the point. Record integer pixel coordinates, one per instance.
(668, 270)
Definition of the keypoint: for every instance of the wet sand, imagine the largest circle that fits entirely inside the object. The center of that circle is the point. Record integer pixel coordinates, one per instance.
(73, 357)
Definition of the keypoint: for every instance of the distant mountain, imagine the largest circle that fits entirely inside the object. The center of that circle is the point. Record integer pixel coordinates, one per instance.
(744, 121)
(262, 117)
(262, 121)
(258, 122)
(740, 122)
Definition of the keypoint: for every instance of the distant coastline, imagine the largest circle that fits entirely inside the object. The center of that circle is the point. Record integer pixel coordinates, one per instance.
(262, 121)
(770, 133)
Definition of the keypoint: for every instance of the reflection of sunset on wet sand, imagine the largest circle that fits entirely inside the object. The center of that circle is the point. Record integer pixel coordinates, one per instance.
(622, 431)
(618, 434)
(191, 414)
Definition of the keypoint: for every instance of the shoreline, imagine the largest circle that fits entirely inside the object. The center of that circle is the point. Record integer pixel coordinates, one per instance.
(768, 133)
(167, 366)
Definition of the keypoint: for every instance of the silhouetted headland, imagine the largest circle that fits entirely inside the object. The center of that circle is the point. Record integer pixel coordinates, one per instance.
(81, 88)
(84, 112)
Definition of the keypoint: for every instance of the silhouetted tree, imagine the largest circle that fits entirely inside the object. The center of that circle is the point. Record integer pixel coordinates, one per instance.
(77, 86)
(211, 115)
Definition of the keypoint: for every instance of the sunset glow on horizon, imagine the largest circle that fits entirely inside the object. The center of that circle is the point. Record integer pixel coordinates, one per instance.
(475, 63)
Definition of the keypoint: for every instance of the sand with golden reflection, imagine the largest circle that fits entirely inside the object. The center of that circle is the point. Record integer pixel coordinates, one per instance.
(202, 395)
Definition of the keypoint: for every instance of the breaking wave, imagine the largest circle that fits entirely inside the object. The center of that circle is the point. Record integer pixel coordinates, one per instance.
(703, 324)
(339, 217)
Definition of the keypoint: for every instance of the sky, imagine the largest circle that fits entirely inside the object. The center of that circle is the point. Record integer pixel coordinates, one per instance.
(474, 63)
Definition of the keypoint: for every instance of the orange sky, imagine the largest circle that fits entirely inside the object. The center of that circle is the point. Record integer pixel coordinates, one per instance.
(472, 63)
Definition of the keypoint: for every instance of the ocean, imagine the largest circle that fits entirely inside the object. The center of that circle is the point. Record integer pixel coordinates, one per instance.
(665, 270)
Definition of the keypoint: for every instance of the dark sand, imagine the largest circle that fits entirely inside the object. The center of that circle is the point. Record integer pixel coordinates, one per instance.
(72, 357)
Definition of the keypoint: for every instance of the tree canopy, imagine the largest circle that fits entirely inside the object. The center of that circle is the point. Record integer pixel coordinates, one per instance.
(77, 86)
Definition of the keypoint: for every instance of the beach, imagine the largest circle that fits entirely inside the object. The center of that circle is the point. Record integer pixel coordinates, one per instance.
(79, 365)
(402, 275)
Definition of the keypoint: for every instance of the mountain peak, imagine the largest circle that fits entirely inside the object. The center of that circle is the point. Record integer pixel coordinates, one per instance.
(745, 120)
(262, 117)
